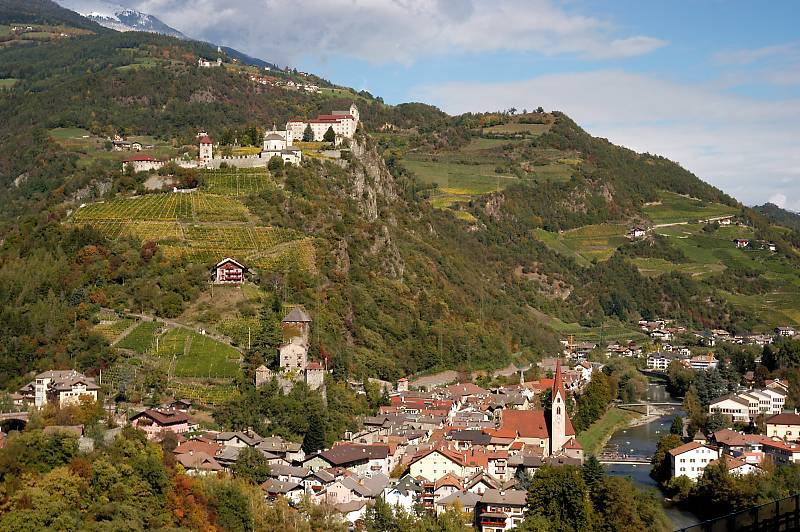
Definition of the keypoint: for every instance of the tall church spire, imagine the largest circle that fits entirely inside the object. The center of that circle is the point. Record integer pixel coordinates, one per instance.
(558, 416)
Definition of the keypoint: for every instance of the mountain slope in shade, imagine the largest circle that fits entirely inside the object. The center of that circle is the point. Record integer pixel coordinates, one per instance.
(120, 18)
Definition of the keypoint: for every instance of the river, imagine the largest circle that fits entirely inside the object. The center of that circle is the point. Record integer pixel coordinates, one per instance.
(642, 440)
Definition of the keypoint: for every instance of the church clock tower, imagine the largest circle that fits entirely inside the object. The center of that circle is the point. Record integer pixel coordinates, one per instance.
(558, 424)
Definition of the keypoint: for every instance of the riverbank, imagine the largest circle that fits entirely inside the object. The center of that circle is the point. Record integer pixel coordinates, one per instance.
(597, 435)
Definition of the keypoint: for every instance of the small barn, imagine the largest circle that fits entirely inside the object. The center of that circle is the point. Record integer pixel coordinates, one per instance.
(229, 271)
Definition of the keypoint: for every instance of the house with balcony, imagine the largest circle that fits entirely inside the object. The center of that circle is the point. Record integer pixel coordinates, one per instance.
(500, 510)
(155, 422)
(61, 387)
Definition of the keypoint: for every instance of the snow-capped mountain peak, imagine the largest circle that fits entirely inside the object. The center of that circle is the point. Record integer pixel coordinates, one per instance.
(119, 17)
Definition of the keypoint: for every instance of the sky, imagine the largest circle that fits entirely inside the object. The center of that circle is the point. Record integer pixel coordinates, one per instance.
(711, 84)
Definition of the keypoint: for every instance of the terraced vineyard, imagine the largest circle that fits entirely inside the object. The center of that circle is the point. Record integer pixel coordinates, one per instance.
(197, 355)
(112, 329)
(237, 182)
(202, 227)
(210, 394)
(237, 329)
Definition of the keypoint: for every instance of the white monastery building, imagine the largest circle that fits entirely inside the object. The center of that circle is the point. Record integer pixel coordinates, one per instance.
(344, 124)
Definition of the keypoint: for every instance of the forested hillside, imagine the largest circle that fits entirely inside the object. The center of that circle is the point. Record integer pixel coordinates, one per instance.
(441, 242)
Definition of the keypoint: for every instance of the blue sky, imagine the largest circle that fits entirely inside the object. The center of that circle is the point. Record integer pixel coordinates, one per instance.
(714, 85)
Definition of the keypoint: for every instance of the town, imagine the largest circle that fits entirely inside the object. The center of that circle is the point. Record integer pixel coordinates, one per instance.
(401, 267)
(434, 446)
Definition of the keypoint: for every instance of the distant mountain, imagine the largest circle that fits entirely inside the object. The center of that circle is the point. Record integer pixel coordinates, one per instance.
(119, 17)
(779, 216)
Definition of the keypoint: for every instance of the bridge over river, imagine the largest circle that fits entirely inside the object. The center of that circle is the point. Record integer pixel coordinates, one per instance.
(647, 405)
(17, 415)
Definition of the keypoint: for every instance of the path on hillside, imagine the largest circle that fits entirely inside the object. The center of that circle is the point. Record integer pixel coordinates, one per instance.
(124, 333)
(707, 220)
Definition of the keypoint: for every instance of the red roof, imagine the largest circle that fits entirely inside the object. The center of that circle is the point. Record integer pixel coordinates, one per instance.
(205, 139)
(140, 158)
(335, 117)
(526, 423)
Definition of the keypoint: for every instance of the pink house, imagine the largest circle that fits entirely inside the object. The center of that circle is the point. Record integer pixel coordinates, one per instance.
(155, 421)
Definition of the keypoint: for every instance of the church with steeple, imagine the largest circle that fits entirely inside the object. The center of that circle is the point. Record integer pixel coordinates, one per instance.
(562, 434)
(543, 435)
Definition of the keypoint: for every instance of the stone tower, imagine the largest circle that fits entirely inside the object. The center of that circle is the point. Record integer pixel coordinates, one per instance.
(206, 149)
(558, 425)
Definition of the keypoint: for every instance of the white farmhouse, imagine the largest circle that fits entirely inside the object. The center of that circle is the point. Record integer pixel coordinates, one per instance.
(142, 163)
(691, 459)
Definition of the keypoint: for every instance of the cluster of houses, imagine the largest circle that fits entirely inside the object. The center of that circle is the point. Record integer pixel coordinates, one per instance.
(453, 445)
(120, 144)
(272, 81)
(660, 360)
(743, 454)
(746, 406)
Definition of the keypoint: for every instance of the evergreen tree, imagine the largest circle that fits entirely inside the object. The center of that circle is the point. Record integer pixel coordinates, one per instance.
(315, 437)
(593, 472)
(330, 135)
(308, 134)
(691, 403)
(677, 426)
(268, 337)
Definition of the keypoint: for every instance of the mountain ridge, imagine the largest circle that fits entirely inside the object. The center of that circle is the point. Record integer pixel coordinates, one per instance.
(501, 233)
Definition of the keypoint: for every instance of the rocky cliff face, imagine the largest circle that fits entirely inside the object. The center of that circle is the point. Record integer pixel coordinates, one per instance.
(373, 187)
(372, 182)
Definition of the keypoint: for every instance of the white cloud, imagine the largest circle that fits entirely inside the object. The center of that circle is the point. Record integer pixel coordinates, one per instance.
(396, 31)
(778, 199)
(746, 147)
(748, 56)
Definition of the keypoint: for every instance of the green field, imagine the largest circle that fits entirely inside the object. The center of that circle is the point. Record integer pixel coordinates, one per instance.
(480, 143)
(612, 330)
(674, 208)
(7, 83)
(143, 338)
(653, 267)
(197, 355)
(593, 438)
